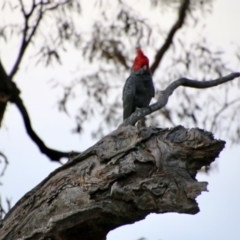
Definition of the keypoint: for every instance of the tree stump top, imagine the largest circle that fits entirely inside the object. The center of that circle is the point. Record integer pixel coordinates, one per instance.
(121, 179)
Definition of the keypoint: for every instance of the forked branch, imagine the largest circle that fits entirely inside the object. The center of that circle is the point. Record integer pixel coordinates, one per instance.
(29, 31)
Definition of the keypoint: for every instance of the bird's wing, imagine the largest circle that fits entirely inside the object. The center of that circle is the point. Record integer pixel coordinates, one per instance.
(129, 91)
(147, 77)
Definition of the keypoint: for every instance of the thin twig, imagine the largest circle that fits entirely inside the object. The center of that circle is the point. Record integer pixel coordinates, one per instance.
(225, 106)
(32, 9)
(26, 38)
(25, 41)
(5, 164)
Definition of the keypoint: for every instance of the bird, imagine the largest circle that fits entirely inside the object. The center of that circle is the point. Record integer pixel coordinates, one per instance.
(138, 89)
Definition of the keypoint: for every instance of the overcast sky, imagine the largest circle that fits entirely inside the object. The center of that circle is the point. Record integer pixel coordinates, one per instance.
(220, 207)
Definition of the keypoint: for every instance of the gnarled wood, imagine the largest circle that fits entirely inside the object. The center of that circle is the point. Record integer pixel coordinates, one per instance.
(127, 175)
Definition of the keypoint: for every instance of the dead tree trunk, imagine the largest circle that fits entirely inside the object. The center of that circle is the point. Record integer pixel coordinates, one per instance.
(127, 175)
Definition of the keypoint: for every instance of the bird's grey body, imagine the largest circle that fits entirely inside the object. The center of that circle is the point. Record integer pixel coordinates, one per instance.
(137, 92)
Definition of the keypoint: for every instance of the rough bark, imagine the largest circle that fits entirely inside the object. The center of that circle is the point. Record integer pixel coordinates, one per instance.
(121, 179)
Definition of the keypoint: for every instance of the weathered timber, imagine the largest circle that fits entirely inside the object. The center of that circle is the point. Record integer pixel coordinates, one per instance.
(121, 179)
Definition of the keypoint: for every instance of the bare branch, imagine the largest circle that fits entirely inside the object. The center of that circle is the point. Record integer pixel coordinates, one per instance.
(165, 94)
(22, 8)
(54, 155)
(8, 87)
(5, 164)
(56, 6)
(178, 24)
(36, 25)
(8, 204)
(32, 9)
(26, 38)
(2, 212)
